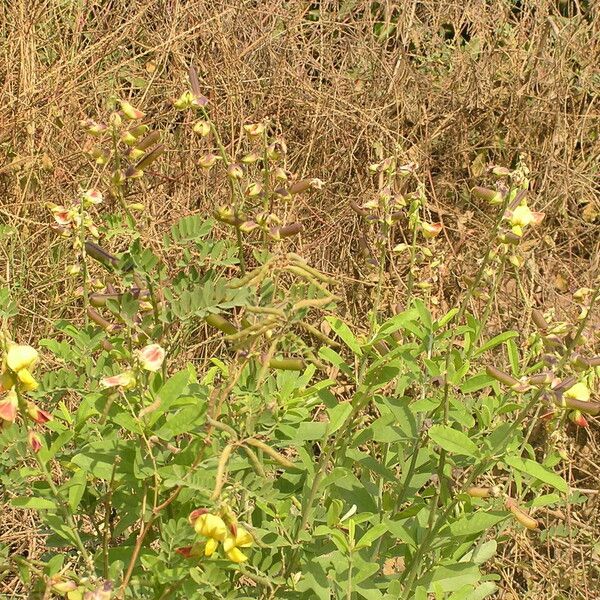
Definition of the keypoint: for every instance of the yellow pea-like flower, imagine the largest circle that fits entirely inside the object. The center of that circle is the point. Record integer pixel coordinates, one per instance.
(21, 356)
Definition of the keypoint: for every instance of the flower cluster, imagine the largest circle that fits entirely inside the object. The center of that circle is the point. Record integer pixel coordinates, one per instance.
(16, 378)
(218, 529)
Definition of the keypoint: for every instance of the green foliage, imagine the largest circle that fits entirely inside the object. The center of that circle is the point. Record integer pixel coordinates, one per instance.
(356, 461)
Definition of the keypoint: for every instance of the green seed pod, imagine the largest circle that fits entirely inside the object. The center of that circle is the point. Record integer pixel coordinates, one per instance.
(221, 467)
(256, 464)
(151, 139)
(279, 233)
(319, 335)
(538, 318)
(314, 272)
(221, 323)
(502, 377)
(248, 278)
(97, 318)
(287, 364)
(312, 303)
(278, 458)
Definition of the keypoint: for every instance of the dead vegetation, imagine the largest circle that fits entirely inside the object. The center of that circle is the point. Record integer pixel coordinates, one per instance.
(452, 86)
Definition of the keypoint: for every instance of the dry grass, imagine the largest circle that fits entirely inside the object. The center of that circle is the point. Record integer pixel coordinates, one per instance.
(453, 85)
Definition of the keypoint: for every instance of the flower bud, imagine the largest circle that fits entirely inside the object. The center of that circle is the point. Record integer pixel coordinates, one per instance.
(115, 120)
(184, 101)
(93, 128)
(431, 230)
(128, 138)
(250, 158)
(253, 189)
(34, 441)
(202, 128)
(254, 129)
(577, 417)
(9, 404)
(207, 161)
(37, 414)
(280, 174)
(235, 171)
(130, 112)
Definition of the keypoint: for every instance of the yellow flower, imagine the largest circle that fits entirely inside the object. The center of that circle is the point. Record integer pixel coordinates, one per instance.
(211, 526)
(21, 360)
(21, 357)
(233, 543)
(522, 216)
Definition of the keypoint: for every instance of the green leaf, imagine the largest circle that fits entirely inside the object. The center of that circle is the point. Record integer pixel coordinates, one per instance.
(450, 578)
(495, 341)
(34, 503)
(469, 525)
(76, 486)
(513, 357)
(345, 334)
(443, 321)
(453, 441)
(476, 383)
(337, 415)
(538, 472)
(371, 535)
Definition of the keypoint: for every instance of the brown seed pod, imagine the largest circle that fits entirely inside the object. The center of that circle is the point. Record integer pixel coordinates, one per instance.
(520, 514)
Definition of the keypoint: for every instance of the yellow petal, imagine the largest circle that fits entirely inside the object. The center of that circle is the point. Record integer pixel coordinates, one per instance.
(236, 555)
(211, 546)
(243, 539)
(27, 380)
(21, 357)
(211, 526)
(579, 392)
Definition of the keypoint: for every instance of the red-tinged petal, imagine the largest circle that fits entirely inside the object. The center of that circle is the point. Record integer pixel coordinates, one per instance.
(151, 357)
(37, 414)
(186, 551)
(34, 441)
(9, 406)
(195, 514)
(431, 230)
(125, 380)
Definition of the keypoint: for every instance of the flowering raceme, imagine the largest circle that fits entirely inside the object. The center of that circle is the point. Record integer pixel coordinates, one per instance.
(18, 363)
(214, 528)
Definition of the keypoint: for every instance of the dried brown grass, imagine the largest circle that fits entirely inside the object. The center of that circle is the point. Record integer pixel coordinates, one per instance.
(451, 82)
